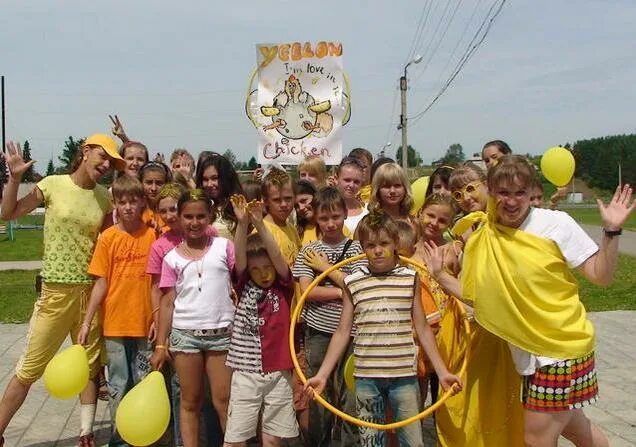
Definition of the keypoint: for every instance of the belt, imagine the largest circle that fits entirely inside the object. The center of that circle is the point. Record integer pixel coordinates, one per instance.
(209, 332)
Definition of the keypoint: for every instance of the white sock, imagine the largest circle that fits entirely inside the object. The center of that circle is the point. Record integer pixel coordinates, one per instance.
(87, 417)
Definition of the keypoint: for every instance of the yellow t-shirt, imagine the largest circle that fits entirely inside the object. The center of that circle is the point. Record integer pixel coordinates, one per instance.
(121, 258)
(365, 193)
(73, 219)
(286, 238)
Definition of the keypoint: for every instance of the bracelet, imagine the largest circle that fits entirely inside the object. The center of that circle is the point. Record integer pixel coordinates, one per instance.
(155, 310)
(612, 233)
(161, 347)
(85, 325)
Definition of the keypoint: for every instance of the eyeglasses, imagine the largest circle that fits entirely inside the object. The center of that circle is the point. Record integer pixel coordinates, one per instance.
(468, 189)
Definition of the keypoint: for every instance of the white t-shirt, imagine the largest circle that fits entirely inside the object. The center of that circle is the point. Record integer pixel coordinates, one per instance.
(203, 286)
(576, 247)
(351, 222)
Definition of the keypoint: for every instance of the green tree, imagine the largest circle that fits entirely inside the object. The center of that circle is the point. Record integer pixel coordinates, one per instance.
(28, 176)
(598, 159)
(71, 147)
(413, 158)
(50, 169)
(252, 164)
(454, 154)
(231, 157)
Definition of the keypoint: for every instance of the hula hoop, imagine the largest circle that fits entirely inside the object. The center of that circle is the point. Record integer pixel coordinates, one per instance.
(347, 417)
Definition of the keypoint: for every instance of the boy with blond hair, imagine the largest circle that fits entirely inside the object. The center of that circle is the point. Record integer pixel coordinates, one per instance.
(122, 289)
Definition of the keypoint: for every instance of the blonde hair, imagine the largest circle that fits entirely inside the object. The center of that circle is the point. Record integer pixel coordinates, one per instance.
(127, 186)
(316, 167)
(464, 174)
(390, 173)
(277, 178)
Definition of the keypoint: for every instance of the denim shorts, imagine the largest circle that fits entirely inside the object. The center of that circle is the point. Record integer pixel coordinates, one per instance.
(192, 341)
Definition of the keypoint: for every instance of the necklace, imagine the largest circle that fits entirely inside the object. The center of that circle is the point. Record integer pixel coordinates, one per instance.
(197, 259)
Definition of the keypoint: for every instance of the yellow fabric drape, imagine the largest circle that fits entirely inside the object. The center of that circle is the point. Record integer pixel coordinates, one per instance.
(523, 290)
(488, 412)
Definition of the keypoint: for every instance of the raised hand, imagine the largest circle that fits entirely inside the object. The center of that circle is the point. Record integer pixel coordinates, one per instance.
(15, 162)
(616, 212)
(316, 260)
(239, 204)
(118, 128)
(255, 210)
(433, 257)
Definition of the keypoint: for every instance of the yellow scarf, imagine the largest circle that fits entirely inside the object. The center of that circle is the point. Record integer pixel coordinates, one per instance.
(523, 290)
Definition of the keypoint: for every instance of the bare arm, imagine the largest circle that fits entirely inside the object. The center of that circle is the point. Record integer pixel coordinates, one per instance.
(337, 346)
(600, 267)
(319, 293)
(256, 217)
(166, 309)
(98, 293)
(12, 208)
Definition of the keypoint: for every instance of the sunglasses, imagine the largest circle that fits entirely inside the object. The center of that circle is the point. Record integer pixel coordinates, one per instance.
(468, 189)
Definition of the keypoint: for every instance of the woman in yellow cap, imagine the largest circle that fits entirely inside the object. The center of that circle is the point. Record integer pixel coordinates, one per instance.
(76, 207)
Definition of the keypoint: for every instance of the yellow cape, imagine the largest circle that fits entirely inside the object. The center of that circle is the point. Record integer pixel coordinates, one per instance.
(523, 290)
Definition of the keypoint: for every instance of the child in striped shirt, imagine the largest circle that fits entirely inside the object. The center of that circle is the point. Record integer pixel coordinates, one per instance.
(379, 300)
(259, 355)
(322, 310)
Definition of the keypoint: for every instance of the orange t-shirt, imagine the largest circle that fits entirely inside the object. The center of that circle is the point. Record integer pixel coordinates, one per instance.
(154, 220)
(121, 258)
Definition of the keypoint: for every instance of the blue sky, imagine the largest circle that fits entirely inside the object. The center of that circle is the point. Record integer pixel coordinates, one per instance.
(176, 72)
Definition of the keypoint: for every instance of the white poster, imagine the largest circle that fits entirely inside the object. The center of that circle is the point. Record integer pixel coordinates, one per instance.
(302, 102)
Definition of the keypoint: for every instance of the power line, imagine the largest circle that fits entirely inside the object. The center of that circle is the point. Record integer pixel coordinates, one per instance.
(439, 41)
(470, 51)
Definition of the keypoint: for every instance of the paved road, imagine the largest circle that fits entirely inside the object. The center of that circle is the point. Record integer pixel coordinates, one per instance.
(627, 243)
(46, 422)
(21, 265)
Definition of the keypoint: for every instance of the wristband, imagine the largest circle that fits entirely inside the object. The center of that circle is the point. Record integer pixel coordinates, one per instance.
(612, 233)
(163, 347)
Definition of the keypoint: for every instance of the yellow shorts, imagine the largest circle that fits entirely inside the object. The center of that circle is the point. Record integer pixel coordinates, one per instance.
(57, 313)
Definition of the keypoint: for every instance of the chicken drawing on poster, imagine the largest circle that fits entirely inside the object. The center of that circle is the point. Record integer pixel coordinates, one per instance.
(301, 102)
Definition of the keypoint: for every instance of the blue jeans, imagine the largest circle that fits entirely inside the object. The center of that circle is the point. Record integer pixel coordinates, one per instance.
(128, 360)
(325, 430)
(404, 396)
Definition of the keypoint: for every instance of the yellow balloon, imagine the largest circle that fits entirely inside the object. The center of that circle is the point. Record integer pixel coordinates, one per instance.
(350, 381)
(66, 375)
(143, 414)
(557, 165)
(418, 190)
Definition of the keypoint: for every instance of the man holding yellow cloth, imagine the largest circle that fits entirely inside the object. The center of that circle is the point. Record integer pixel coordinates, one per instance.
(516, 272)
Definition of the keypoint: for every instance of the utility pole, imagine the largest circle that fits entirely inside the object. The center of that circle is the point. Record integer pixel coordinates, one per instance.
(405, 151)
(403, 87)
(5, 175)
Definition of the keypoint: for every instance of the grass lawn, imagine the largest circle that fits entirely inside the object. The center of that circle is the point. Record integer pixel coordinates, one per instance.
(27, 246)
(591, 216)
(621, 295)
(17, 295)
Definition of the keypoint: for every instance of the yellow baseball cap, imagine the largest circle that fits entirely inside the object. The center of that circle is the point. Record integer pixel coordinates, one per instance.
(110, 147)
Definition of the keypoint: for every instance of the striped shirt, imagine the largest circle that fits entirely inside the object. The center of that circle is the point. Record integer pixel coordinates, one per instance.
(383, 303)
(260, 331)
(324, 316)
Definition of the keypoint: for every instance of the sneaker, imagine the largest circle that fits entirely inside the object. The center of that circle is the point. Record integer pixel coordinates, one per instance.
(85, 441)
